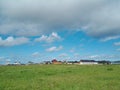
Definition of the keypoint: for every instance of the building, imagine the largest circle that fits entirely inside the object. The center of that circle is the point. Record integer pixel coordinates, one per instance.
(88, 62)
(17, 63)
(54, 61)
(73, 62)
(104, 62)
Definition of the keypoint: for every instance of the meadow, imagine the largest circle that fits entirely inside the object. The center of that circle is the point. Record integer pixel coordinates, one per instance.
(60, 77)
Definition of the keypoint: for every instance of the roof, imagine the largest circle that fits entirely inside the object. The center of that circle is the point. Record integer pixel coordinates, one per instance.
(87, 61)
(54, 60)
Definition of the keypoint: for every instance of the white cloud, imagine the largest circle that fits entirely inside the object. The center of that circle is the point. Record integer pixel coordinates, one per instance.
(72, 50)
(117, 43)
(109, 38)
(118, 49)
(36, 54)
(54, 49)
(49, 39)
(63, 55)
(11, 41)
(2, 58)
(97, 18)
(102, 57)
(76, 55)
(94, 56)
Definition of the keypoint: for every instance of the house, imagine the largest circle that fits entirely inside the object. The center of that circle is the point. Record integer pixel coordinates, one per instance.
(17, 63)
(104, 62)
(69, 62)
(30, 63)
(88, 62)
(73, 62)
(76, 62)
(54, 61)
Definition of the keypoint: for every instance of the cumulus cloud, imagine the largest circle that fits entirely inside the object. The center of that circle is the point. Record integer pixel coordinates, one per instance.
(97, 18)
(72, 50)
(49, 39)
(101, 57)
(109, 38)
(11, 41)
(36, 54)
(54, 49)
(94, 56)
(118, 49)
(117, 43)
(2, 58)
(63, 55)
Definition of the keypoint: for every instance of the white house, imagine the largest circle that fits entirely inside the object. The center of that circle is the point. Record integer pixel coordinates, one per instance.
(88, 62)
(16, 63)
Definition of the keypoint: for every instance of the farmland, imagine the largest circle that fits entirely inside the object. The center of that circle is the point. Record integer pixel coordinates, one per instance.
(60, 77)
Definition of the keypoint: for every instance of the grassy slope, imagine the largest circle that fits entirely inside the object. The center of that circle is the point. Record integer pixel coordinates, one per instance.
(60, 77)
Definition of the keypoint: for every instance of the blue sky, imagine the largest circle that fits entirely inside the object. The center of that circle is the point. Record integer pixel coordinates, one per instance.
(35, 30)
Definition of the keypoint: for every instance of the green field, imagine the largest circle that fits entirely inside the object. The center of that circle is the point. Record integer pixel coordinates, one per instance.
(60, 77)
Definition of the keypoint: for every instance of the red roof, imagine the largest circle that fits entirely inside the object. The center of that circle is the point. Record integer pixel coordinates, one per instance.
(54, 60)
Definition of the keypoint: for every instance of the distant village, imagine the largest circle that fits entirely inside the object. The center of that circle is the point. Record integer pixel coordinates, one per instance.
(57, 62)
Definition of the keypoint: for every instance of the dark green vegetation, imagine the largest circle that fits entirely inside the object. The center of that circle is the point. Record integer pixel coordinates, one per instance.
(60, 77)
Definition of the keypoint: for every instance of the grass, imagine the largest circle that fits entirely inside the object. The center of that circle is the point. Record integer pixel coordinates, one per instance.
(60, 77)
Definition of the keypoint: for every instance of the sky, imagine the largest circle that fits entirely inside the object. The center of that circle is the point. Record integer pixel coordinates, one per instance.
(41, 30)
